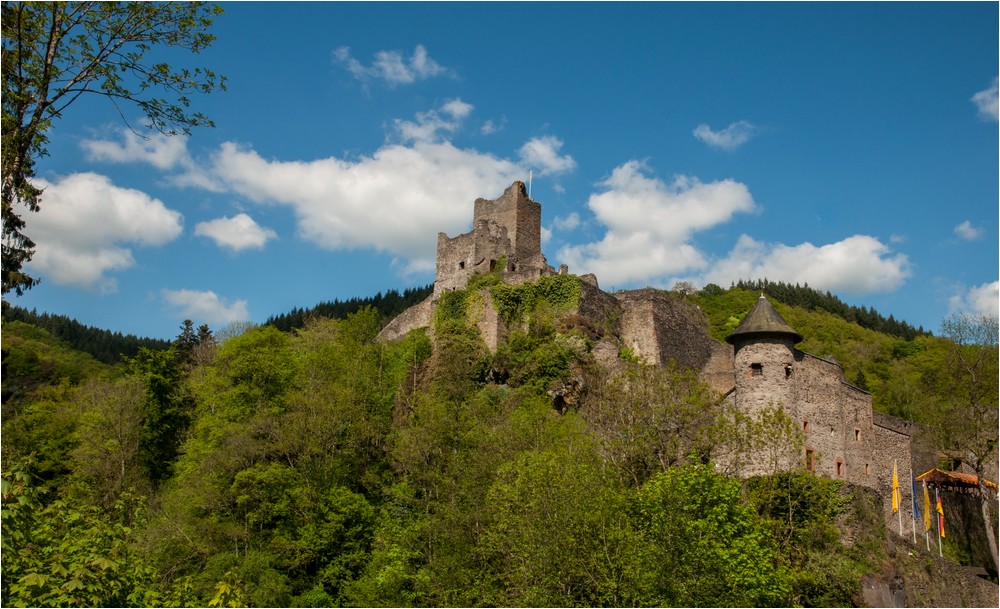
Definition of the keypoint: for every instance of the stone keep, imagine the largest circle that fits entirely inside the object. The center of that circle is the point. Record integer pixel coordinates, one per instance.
(507, 229)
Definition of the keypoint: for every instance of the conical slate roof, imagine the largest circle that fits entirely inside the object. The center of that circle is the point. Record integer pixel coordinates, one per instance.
(763, 320)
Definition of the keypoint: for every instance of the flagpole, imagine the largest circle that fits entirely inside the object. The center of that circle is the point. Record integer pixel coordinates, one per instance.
(937, 500)
(913, 503)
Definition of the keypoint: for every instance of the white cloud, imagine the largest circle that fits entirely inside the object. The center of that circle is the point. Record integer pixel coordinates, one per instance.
(394, 201)
(983, 299)
(967, 231)
(205, 307)
(489, 127)
(730, 138)
(542, 153)
(430, 125)
(986, 102)
(161, 151)
(856, 265)
(568, 223)
(85, 224)
(237, 233)
(391, 66)
(650, 223)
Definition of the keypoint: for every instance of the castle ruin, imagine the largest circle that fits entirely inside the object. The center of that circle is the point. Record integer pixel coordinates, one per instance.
(759, 367)
(506, 231)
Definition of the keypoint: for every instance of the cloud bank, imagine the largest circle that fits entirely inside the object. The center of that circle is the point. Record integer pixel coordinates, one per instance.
(860, 264)
(983, 299)
(650, 224)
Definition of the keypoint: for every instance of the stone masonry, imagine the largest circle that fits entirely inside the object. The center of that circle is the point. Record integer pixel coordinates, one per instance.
(505, 231)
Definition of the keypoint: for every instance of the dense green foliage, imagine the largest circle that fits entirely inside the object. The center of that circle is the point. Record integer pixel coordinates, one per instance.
(814, 300)
(105, 345)
(321, 467)
(557, 294)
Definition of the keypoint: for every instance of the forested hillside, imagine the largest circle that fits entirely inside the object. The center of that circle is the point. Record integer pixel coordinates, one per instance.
(105, 345)
(319, 467)
(388, 305)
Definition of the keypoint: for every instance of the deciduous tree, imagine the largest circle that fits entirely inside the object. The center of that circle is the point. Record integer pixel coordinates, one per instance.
(968, 417)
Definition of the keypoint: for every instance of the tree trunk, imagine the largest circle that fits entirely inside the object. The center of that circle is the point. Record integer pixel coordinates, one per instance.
(991, 539)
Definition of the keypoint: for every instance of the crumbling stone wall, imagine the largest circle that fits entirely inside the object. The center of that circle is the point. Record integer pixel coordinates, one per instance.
(505, 231)
(658, 327)
(418, 316)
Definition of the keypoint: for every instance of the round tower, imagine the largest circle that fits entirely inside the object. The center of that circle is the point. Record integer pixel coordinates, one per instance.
(764, 360)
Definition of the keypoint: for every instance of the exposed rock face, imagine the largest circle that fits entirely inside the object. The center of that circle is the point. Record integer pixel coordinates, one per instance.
(915, 577)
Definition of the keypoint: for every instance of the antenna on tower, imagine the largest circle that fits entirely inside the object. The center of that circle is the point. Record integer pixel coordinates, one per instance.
(529, 183)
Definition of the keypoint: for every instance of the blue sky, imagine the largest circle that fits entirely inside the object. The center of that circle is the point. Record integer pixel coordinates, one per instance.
(852, 146)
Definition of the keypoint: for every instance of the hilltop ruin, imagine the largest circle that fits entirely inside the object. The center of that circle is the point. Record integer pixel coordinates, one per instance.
(758, 368)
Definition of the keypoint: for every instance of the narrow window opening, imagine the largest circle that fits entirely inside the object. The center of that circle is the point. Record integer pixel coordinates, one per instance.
(805, 426)
(810, 460)
(857, 435)
(461, 265)
(840, 469)
(788, 371)
(867, 469)
(756, 369)
(493, 265)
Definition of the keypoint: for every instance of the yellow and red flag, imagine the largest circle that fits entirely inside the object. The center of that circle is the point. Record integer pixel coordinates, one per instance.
(940, 511)
(895, 490)
(928, 524)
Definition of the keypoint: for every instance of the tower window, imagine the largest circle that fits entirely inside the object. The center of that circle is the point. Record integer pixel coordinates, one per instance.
(788, 371)
(756, 369)
(868, 469)
(461, 265)
(810, 460)
(857, 435)
(805, 426)
(840, 469)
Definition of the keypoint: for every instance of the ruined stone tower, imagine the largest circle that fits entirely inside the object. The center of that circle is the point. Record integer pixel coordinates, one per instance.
(505, 230)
